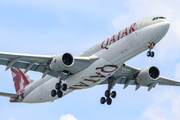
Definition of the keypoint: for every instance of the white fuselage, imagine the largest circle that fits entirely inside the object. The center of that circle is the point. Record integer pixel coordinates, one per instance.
(112, 53)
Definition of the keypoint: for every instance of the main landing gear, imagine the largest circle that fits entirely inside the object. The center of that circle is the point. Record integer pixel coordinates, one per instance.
(108, 93)
(59, 87)
(108, 96)
(150, 46)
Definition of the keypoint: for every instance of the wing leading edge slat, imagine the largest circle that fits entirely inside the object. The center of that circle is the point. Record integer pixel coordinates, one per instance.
(41, 59)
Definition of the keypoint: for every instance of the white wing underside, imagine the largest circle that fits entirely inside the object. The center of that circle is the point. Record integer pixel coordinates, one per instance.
(39, 62)
(126, 72)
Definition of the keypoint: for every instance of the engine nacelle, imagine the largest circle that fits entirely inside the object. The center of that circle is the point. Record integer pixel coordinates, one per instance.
(61, 62)
(148, 75)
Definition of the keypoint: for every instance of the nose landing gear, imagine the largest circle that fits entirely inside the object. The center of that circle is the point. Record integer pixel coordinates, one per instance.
(150, 54)
(150, 46)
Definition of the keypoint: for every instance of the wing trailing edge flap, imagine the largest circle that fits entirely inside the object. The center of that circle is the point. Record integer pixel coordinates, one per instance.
(11, 95)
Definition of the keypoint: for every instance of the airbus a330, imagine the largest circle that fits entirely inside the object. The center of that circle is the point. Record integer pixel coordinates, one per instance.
(101, 64)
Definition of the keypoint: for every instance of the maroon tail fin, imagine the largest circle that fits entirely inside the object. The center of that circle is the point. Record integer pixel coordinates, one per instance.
(19, 79)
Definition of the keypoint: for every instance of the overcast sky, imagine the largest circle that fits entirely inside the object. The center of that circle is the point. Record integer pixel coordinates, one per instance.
(56, 26)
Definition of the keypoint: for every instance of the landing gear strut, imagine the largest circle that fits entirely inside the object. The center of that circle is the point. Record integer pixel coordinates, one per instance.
(150, 46)
(59, 87)
(108, 93)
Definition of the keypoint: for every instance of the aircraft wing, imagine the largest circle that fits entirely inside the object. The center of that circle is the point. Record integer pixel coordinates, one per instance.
(125, 75)
(169, 82)
(39, 62)
(11, 95)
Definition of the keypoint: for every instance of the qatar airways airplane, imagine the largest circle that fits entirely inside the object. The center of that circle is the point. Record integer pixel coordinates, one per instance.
(103, 63)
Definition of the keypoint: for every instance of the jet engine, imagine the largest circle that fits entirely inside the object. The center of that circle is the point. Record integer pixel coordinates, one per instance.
(148, 75)
(61, 62)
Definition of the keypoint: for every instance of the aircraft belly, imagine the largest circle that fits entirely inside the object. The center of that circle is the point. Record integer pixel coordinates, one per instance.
(32, 97)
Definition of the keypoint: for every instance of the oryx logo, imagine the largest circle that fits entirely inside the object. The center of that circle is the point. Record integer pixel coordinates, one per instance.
(19, 79)
(55, 61)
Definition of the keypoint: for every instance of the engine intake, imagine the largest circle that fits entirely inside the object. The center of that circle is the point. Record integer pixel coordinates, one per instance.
(67, 59)
(148, 75)
(61, 62)
(154, 72)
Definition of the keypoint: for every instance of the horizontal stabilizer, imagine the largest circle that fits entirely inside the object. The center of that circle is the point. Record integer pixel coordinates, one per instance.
(11, 95)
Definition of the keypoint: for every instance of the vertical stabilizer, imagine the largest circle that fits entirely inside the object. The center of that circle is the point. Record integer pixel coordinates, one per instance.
(20, 79)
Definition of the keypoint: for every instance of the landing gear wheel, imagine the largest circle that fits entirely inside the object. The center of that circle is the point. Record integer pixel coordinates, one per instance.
(107, 93)
(64, 87)
(113, 94)
(60, 94)
(103, 100)
(148, 53)
(53, 93)
(150, 46)
(58, 86)
(109, 101)
(152, 54)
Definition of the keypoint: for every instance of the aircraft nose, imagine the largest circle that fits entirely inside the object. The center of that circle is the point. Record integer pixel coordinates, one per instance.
(166, 25)
(163, 28)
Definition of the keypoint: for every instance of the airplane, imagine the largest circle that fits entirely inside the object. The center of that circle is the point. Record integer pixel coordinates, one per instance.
(102, 64)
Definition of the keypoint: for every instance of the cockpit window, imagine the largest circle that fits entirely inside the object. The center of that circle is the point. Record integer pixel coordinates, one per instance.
(162, 18)
(155, 18)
